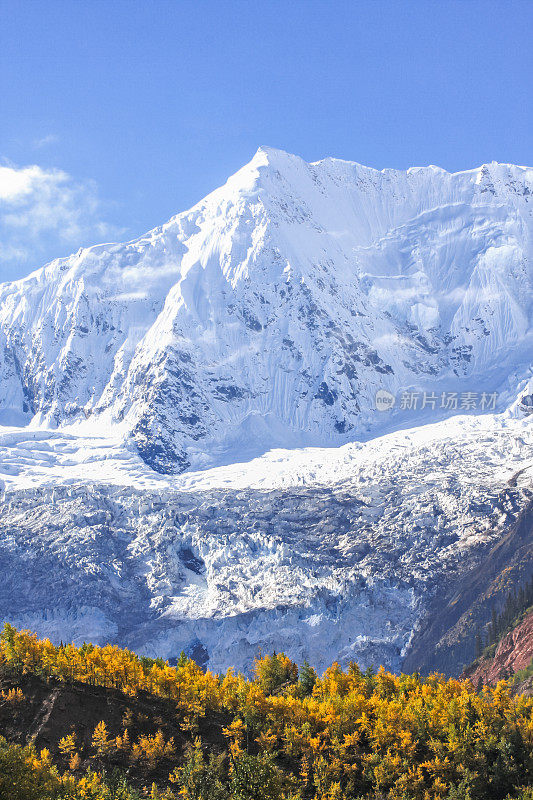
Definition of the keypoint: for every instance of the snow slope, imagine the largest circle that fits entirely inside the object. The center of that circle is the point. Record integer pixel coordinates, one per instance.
(271, 313)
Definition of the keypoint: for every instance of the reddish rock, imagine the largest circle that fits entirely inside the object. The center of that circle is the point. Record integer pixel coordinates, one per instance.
(513, 653)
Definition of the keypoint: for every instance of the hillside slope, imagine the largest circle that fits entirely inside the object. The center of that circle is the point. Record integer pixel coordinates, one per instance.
(462, 607)
(346, 735)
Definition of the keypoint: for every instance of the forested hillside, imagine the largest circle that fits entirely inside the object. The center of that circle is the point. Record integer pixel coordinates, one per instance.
(103, 723)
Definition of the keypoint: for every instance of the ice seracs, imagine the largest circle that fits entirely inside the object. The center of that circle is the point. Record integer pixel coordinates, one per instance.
(326, 553)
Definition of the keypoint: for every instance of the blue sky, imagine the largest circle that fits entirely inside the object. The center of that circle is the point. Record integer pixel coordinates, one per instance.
(116, 115)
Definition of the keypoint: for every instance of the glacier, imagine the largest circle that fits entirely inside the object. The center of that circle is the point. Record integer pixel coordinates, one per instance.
(326, 553)
(191, 452)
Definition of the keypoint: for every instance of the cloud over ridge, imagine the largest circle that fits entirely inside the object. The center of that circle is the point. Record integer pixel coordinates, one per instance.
(45, 213)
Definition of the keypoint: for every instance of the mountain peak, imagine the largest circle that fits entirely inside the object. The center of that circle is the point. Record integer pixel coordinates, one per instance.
(269, 151)
(273, 157)
(272, 153)
(275, 309)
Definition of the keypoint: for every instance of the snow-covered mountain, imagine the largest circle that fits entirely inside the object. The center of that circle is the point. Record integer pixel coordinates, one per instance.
(272, 312)
(192, 455)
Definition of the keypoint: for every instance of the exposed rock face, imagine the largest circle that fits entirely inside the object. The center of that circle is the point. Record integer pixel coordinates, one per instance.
(513, 653)
(445, 638)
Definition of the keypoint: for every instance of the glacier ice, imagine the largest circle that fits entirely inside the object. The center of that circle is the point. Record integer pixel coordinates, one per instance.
(326, 553)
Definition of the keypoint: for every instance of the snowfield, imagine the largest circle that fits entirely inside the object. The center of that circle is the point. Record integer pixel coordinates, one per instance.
(191, 453)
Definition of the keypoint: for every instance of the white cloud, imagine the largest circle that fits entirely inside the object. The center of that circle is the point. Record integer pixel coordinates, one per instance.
(45, 141)
(45, 213)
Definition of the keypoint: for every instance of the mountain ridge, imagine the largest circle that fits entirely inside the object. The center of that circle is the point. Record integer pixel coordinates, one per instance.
(275, 308)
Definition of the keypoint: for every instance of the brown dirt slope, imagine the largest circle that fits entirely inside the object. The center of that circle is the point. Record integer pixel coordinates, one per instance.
(513, 653)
